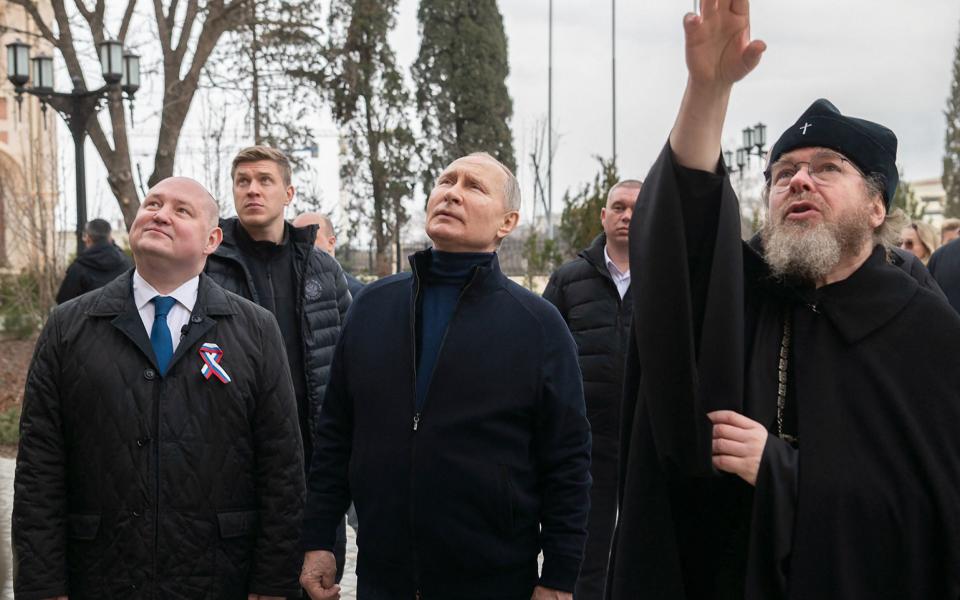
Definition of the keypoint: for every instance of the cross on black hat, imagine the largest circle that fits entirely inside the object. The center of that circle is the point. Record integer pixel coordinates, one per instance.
(870, 146)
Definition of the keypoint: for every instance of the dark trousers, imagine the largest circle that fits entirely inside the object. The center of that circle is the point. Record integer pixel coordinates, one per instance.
(602, 519)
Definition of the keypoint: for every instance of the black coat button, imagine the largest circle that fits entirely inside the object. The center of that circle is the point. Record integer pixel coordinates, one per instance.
(149, 374)
(136, 513)
(196, 319)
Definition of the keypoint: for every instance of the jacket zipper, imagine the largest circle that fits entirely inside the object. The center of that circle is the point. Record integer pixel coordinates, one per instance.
(416, 423)
(418, 414)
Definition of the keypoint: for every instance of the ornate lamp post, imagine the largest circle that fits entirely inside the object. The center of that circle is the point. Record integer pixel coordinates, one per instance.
(121, 74)
(754, 140)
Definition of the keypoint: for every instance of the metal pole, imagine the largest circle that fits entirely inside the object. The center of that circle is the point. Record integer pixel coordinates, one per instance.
(78, 137)
(613, 67)
(550, 125)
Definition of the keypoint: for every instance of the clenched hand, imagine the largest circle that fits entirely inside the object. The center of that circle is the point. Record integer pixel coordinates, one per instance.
(319, 575)
(738, 444)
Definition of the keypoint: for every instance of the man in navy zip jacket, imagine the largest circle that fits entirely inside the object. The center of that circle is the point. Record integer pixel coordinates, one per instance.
(454, 419)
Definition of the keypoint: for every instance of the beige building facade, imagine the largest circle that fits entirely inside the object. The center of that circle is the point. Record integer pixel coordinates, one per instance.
(29, 179)
(932, 197)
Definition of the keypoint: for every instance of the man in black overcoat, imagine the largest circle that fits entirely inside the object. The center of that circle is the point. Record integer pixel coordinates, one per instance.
(159, 453)
(793, 402)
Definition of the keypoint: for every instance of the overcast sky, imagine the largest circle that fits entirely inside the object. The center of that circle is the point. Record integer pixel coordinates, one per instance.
(885, 60)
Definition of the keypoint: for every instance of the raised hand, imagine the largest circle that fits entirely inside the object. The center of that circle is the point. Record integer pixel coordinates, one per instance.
(719, 53)
(718, 46)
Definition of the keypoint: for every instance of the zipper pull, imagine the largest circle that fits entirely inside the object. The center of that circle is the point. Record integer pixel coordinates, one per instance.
(416, 421)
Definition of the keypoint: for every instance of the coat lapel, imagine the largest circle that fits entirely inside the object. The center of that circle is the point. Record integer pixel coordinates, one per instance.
(116, 301)
(211, 300)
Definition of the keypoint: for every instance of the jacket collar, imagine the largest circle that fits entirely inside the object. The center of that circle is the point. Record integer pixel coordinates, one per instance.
(484, 278)
(116, 300)
(593, 254)
(302, 238)
(857, 306)
(868, 299)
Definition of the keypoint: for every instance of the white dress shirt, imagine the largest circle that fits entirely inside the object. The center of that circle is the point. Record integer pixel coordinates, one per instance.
(620, 279)
(185, 295)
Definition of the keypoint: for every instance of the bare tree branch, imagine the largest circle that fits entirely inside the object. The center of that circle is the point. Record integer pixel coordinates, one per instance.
(172, 14)
(34, 12)
(125, 23)
(164, 26)
(94, 19)
(87, 14)
(187, 28)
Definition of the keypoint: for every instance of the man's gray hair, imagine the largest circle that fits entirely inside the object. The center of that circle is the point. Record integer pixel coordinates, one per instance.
(511, 190)
(626, 183)
(888, 233)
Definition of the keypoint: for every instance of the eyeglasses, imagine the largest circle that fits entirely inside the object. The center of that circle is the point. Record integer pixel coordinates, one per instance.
(825, 168)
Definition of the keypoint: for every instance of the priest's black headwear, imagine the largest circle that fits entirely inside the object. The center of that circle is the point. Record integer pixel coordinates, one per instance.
(870, 146)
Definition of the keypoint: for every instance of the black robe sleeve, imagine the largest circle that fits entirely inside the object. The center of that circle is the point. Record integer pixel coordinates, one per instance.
(691, 295)
(774, 510)
(687, 269)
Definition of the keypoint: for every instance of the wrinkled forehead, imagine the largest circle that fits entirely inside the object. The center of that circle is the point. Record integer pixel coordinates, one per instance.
(184, 190)
(625, 195)
(480, 167)
(257, 167)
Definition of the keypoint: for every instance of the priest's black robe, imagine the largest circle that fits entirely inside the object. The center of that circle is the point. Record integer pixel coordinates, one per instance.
(868, 505)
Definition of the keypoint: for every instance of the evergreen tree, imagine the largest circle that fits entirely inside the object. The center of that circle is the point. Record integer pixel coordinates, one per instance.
(580, 221)
(951, 155)
(373, 107)
(460, 75)
(906, 200)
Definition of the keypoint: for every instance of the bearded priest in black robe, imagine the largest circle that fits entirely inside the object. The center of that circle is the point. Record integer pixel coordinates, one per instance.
(792, 420)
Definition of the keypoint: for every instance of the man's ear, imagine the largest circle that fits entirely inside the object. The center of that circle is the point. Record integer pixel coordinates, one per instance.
(291, 192)
(603, 215)
(213, 241)
(508, 224)
(878, 211)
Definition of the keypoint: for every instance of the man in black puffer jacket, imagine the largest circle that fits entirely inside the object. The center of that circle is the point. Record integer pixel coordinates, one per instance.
(265, 259)
(100, 263)
(159, 450)
(592, 293)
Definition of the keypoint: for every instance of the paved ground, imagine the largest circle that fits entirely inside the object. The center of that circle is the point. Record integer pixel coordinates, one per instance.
(6, 505)
(349, 583)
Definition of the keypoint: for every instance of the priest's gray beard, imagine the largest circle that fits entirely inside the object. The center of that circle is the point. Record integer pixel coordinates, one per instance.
(797, 250)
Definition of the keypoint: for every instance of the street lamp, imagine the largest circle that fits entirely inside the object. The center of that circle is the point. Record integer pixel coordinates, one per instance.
(754, 140)
(121, 72)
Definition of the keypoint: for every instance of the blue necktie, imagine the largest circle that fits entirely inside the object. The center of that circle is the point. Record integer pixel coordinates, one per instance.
(160, 333)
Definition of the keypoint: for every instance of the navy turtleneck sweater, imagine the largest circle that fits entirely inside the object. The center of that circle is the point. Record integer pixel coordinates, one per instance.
(445, 278)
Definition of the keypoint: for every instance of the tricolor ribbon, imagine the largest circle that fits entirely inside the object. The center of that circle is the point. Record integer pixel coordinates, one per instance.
(211, 355)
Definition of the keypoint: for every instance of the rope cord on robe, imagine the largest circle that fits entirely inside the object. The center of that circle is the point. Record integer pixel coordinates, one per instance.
(782, 367)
